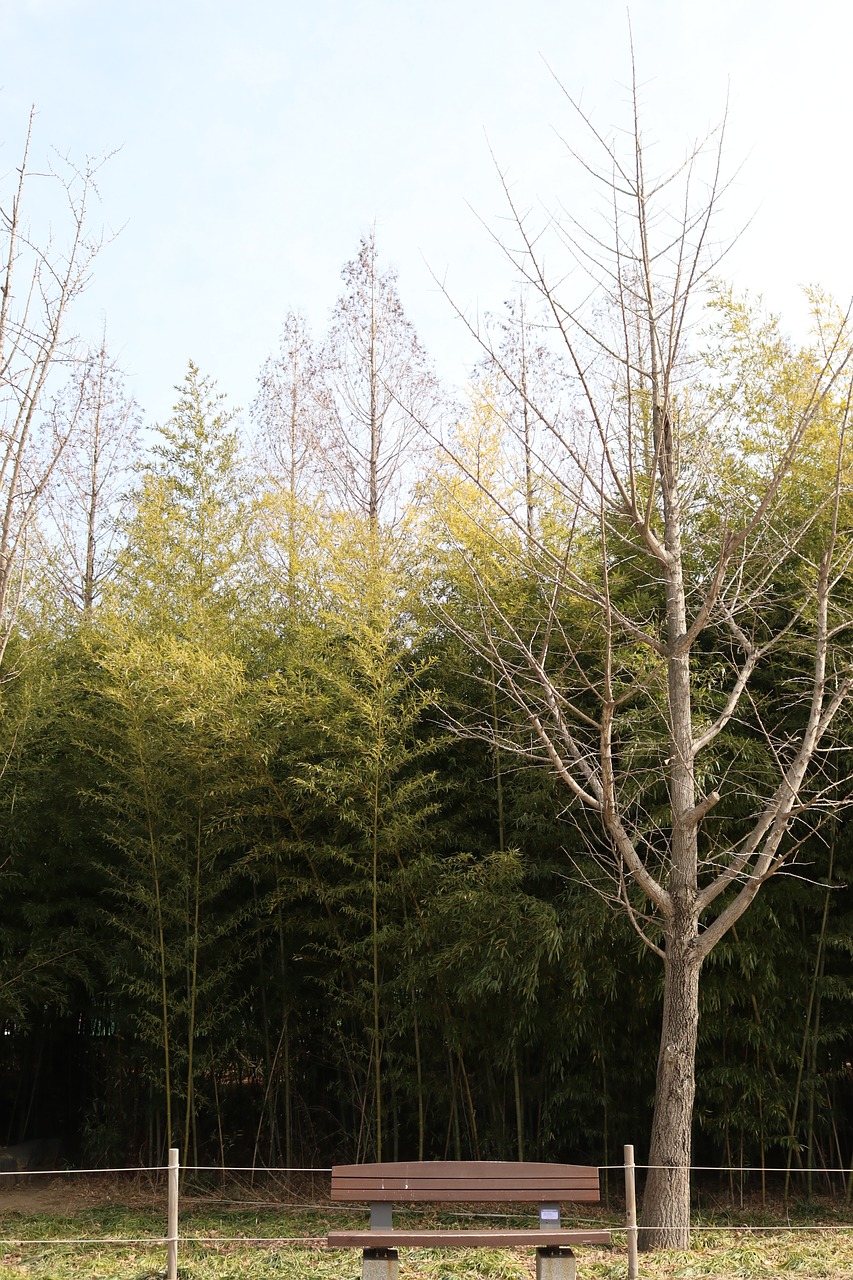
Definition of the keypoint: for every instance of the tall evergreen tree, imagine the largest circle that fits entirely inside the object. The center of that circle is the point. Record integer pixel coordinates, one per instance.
(184, 563)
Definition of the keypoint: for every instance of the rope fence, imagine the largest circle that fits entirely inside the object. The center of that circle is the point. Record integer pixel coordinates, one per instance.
(740, 1168)
(173, 1237)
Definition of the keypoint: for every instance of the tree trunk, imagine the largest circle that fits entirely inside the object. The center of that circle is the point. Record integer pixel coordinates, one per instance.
(666, 1204)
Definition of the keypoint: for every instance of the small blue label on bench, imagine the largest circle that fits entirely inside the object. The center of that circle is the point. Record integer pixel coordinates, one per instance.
(550, 1215)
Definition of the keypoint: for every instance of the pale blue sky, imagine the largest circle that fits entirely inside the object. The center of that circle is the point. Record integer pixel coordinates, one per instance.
(258, 140)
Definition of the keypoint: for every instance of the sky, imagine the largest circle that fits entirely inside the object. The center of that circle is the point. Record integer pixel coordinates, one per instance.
(253, 143)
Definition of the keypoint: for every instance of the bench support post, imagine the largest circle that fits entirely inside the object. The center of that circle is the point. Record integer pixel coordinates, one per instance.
(381, 1215)
(555, 1263)
(380, 1264)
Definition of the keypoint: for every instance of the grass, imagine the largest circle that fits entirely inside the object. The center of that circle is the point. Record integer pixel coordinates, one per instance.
(227, 1246)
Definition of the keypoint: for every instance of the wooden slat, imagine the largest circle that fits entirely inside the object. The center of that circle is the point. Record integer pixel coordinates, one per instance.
(473, 1195)
(401, 1181)
(466, 1168)
(464, 1239)
(465, 1180)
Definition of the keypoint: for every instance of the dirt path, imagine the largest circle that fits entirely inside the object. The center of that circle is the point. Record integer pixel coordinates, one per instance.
(69, 1193)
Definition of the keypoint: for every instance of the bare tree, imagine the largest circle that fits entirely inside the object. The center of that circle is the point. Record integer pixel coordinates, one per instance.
(523, 379)
(689, 653)
(379, 388)
(85, 499)
(40, 278)
(289, 413)
(286, 410)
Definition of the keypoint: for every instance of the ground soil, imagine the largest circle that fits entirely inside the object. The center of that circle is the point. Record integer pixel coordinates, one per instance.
(67, 1194)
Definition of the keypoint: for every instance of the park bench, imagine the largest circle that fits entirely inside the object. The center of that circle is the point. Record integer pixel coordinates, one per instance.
(466, 1182)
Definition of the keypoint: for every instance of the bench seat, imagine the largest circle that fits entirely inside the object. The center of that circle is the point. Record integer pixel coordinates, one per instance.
(451, 1238)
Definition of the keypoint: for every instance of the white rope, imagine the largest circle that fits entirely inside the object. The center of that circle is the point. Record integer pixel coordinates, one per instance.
(733, 1227)
(43, 1173)
(236, 1241)
(161, 1240)
(87, 1240)
(797, 1170)
(249, 1168)
(260, 1169)
(160, 1168)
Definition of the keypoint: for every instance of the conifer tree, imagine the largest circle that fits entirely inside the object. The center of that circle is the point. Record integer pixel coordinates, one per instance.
(86, 501)
(378, 391)
(183, 567)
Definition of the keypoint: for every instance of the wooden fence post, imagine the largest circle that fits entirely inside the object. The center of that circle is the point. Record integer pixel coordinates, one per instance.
(631, 1213)
(172, 1228)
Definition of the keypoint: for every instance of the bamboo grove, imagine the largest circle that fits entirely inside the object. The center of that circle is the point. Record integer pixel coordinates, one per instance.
(285, 878)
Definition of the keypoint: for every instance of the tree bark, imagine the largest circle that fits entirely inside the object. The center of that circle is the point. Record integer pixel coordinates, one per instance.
(665, 1219)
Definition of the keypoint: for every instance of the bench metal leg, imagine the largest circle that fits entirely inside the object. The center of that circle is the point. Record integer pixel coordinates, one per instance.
(555, 1263)
(382, 1264)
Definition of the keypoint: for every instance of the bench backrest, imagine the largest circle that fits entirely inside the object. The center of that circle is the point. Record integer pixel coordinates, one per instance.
(472, 1181)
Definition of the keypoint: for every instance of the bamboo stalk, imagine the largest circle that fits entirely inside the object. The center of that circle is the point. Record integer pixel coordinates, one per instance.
(519, 1112)
(805, 1054)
